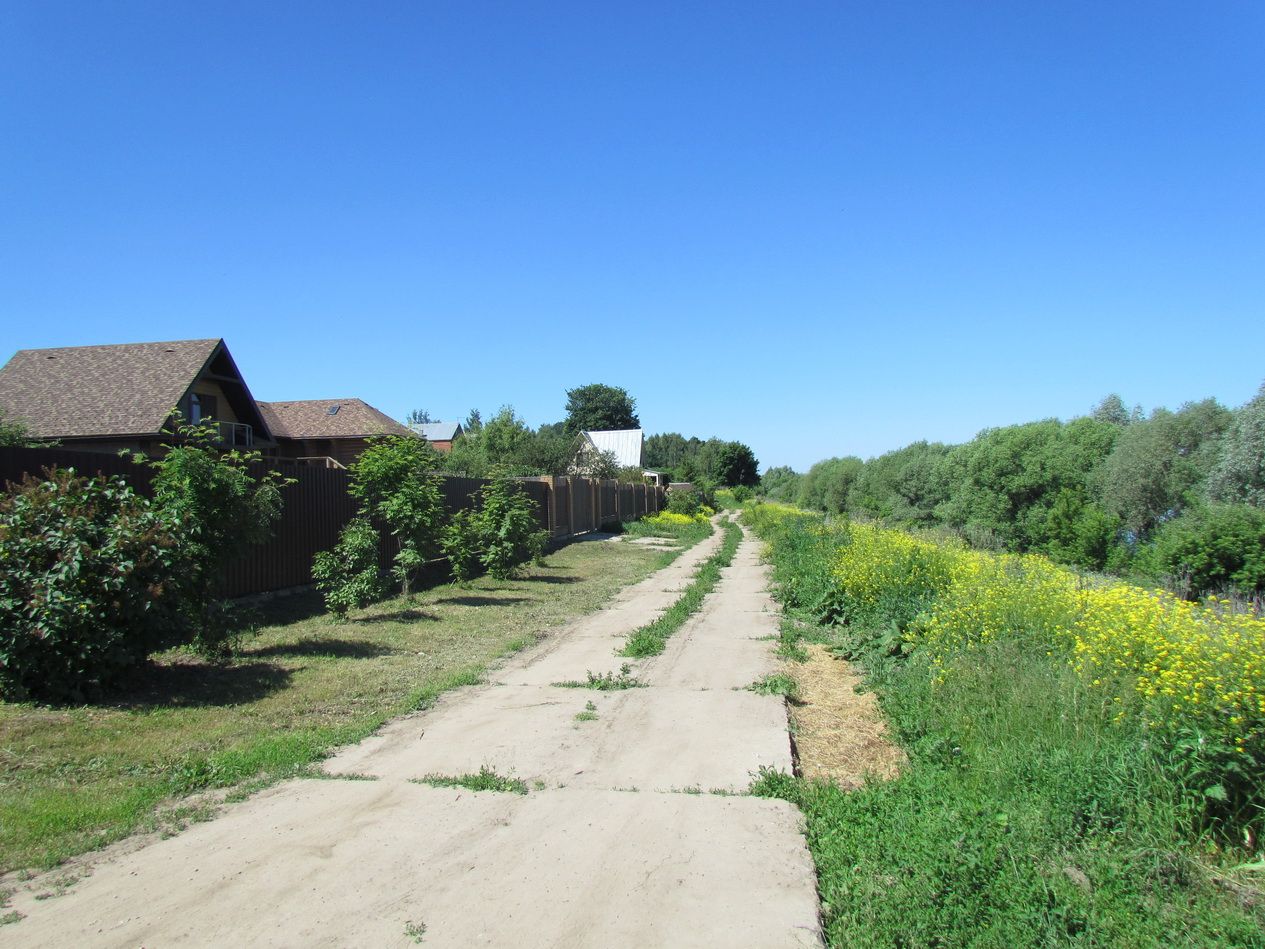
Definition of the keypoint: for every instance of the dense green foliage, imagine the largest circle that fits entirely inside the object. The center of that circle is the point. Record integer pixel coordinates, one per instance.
(712, 463)
(221, 508)
(1097, 492)
(505, 443)
(86, 585)
(600, 408)
(1030, 813)
(96, 577)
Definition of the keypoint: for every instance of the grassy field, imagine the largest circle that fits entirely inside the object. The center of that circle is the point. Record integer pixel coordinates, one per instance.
(74, 779)
(1034, 808)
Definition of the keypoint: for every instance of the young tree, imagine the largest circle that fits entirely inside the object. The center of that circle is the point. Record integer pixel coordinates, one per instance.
(600, 407)
(222, 508)
(395, 481)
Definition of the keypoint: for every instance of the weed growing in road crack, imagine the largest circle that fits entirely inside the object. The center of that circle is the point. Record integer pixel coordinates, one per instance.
(650, 639)
(776, 683)
(607, 682)
(485, 780)
(415, 931)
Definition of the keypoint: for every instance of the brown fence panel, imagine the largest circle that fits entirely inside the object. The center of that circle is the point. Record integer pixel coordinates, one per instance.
(315, 509)
(318, 505)
(16, 462)
(607, 512)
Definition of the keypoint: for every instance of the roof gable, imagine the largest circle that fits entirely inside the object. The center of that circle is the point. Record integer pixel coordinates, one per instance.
(95, 391)
(625, 444)
(312, 418)
(437, 431)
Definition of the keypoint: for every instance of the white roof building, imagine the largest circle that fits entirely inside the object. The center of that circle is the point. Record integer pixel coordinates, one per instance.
(625, 445)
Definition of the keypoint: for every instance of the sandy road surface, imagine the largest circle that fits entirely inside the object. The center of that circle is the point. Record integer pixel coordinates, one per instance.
(613, 846)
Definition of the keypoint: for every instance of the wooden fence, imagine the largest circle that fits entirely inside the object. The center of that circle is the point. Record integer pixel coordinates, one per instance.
(318, 505)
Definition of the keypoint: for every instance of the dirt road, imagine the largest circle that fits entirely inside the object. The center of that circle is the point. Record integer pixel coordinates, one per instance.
(631, 833)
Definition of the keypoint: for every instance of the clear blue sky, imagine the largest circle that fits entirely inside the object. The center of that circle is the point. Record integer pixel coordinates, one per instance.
(818, 228)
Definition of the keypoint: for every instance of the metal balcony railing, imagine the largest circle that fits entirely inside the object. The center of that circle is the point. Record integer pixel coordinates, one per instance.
(236, 434)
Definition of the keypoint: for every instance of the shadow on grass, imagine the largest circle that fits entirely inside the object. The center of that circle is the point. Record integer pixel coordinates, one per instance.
(290, 609)
(548, 579)
(333, 648)
(484, 600)
(403, 616)
(201, 684)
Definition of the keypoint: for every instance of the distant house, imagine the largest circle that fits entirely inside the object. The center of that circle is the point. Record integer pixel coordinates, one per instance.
(441, 435)
(319, 429)
(625, 445)
(120, 397)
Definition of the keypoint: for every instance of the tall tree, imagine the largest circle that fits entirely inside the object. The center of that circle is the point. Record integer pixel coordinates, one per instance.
(1156, 464)
(1239, 475)
(600, 407)
(736, 465)
(418, 417)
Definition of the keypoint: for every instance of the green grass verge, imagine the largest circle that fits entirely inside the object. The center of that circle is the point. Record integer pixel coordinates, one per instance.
(1027, 815)
(75, 779)
(650, 639)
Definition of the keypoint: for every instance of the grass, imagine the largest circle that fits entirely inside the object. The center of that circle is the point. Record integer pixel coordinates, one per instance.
(1027, 814)
(589, 714)
(75, 779)
(690, 533)
(650, 639)
(607, 682)
(485, 780)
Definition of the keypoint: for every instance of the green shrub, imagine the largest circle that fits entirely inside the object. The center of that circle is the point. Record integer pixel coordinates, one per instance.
(1210, 549)
(509, 532)
(498, 536)
(86, 588)
(462, 545)
(348, 575)
(681, 501)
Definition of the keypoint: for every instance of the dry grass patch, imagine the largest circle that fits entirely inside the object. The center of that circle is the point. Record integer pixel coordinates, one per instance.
(840, 733)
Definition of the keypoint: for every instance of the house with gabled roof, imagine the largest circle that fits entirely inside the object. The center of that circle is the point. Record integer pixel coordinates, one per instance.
(441, 435)
(121, 396)
(335, 429)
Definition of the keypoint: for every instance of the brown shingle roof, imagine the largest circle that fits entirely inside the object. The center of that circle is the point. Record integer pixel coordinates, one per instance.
(78, 391)
(311, 419)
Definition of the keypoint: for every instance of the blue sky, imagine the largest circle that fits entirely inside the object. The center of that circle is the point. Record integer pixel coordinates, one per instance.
(821, 229)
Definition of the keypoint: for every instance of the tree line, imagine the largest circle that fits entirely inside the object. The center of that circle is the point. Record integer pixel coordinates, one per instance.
(506, 443)
(1177, 496)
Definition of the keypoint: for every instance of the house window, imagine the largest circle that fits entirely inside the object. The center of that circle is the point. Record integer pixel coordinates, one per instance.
(200, 407)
